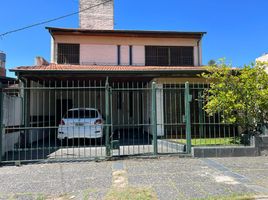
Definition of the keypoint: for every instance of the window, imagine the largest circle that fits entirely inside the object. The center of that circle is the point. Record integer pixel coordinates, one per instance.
(76, 114)
(130, 55)
(169, 56)
(69, 54)
(118, 55)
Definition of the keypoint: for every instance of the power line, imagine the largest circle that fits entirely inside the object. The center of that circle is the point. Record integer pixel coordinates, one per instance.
(51, 20)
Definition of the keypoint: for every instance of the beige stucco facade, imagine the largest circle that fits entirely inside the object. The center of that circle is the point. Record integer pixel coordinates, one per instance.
(98, 54)
(102, 50)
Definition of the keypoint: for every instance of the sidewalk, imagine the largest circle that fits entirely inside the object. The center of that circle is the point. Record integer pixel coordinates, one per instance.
(168, 177)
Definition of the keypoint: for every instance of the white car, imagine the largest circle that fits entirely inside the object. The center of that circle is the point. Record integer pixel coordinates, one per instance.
(81, 123)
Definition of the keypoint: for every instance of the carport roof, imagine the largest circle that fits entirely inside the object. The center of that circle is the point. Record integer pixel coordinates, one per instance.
(4, 79)
(107, 69)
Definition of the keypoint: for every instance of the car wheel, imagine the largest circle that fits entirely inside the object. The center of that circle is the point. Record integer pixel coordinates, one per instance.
(102, 140)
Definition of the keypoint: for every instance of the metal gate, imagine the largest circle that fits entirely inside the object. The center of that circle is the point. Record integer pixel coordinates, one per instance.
(55, 120)
(141, 121)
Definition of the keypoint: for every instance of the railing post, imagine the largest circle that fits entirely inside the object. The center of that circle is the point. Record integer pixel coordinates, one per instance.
(200, 115)
(25, 135)
(153, 117)
(107, 119)
(1, 121)
(188, 99)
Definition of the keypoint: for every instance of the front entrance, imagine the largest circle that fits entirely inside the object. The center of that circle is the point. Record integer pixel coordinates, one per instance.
(130, 119)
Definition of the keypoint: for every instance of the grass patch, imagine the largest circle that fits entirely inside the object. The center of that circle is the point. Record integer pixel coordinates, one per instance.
(61, 197)
(130, 193)
(209, 141)
(87, 192)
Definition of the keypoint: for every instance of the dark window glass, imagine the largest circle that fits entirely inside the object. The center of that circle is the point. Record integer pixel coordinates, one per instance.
(186, 56)
(130, 55)
(82, 114)
(174, 56)
(151, 55)
(169, 56)
(162, 56)
(118, 55)
(69, 54)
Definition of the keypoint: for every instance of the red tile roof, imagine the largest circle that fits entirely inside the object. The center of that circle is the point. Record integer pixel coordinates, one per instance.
(103, 68)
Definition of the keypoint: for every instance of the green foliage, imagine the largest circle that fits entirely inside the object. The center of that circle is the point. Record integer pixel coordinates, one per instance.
(211, 62)
(210, 141)
(239, 95)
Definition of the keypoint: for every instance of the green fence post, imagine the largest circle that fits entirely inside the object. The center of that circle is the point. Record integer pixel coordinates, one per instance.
(153, 117)
(24, 137)
(1, 121)
(200, 115)
(107, 124)
(188, 99)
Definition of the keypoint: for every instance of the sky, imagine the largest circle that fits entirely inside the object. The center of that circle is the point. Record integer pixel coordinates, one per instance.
(236, 29)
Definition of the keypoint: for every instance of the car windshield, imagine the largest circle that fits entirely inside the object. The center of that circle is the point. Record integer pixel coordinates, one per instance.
(82, 114)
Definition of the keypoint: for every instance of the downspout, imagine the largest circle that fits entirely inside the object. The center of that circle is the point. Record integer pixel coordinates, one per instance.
(54, 48)
(51, 34)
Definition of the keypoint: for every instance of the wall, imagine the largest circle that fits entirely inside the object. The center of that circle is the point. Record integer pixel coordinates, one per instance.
(98, 54)
(2, 72)
(180, 80)
(43, 101)
(12, 110)
(102, 50)
(99, 17)
(42, 106)
(124, 55)
(138, 55)
(2, 64)
(39, 103)
(107, 55)
(12, 116)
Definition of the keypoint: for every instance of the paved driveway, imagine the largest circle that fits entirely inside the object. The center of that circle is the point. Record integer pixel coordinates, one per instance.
(169, 177)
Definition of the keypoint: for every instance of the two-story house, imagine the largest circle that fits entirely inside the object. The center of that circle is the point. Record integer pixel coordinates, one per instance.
(83, 59)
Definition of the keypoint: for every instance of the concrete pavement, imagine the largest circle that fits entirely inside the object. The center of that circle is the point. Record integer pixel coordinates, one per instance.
(169, 177)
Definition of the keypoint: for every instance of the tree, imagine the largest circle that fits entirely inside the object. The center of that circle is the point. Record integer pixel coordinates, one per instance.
(211, 62)
(239, 95)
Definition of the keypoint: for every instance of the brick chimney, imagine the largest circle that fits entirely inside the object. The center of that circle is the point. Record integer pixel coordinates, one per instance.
(98, 18)
(40, 61)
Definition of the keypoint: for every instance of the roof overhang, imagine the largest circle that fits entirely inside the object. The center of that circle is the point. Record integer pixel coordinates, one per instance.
(54, 70)
(5, 80)
(125, 33)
